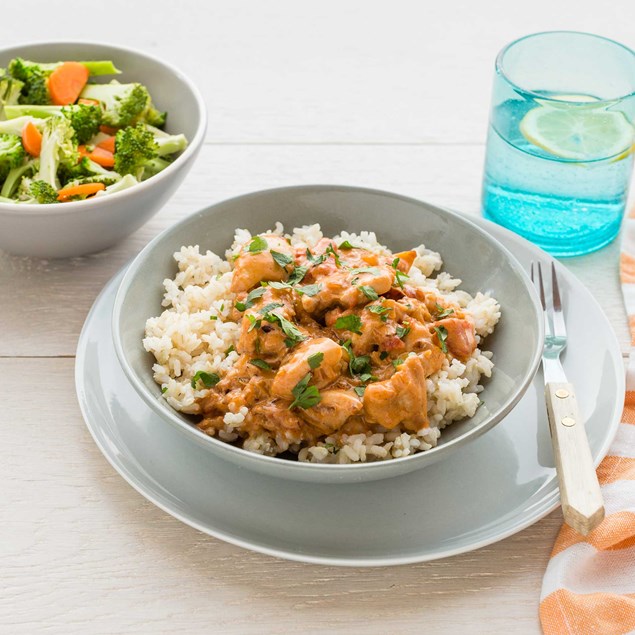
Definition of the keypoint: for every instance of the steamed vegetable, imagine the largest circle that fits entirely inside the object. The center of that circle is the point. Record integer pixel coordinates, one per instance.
(65, 138)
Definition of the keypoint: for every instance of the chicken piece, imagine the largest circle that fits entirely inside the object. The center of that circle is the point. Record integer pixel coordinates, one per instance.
(461, 339)
(338, 290)
(266, 342)
(251, 268)
(334, 409)
(297, 366)
(402, 399)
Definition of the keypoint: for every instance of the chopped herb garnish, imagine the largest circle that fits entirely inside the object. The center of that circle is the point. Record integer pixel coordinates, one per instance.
(213, 317)
(369, 292)
(307, 289)
(164, 390)
(372, 270)
(442, 334)
(290, 330)
(402, 331)
(282, 259)
(231, 349)
(330, 250)
(359, 390)
(379, 310)
(305, 396)
(356, 365)
(366, 377)
(442, 312)
(297, 275)
(315, 360)
(260, 363)
(257, 244)
(251, 299)
(270, 307)
(351, 323)
(397, 362)
(383, 355)
(208, 379)
(400, 276)
(255, 323)
(347, 245)
(315, 260)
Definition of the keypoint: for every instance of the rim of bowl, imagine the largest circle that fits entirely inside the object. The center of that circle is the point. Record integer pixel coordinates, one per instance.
(499, 66)
(173, 417)
(192, 146)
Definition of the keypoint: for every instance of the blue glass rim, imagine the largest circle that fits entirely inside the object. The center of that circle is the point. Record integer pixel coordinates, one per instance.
(536, 95)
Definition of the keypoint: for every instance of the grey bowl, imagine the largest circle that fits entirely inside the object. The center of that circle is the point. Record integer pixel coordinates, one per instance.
(401, 223)
(82, 227)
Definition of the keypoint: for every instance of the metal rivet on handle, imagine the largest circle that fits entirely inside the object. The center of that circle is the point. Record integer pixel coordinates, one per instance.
(567, 421)
(562, 393)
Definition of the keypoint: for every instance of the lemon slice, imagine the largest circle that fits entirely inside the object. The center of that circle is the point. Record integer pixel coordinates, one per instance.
(582, 134)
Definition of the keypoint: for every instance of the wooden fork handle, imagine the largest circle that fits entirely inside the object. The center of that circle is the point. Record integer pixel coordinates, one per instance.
(580, 494)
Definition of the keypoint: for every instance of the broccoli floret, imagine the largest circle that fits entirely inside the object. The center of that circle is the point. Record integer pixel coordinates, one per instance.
(11, 153)
(43, 192)
(15, 126)
(134, 148)
(124, 104)
(170, 144)
(86, 171)
(154, 117)
(123, 184)
(15, 175)
(85, 121)
(34, 77)
(57, 148)
(10, 90)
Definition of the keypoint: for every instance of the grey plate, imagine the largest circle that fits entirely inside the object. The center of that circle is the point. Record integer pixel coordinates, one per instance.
(499, 484)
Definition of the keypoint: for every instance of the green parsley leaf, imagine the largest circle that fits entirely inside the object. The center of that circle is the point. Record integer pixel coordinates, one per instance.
(315, 360)
(397, 362)
(442, 334)
(305, 396)
(442, 312)
(208, 379)
(315, 260)
(357, 270)
(270, 307)
(383, 355)
(380, 310)
(400, 276)
(347, 245)
(290, 330)
(231, 349)
(307, 289)
(282, 259)
(351, 323)
(260, 363)
(369, 292)
(360, 365)
(359, 390)
(257, 244)
(251, 299)
(402, 331)
(331, 251)
(297, 275)
(255, 323)
(164, 390)
(213, 317)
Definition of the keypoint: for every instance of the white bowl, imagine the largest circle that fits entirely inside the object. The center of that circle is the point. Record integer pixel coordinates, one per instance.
(468, 253)
(82, 227)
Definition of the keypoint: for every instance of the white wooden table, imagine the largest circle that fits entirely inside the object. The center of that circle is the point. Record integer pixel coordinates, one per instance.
(392, 96)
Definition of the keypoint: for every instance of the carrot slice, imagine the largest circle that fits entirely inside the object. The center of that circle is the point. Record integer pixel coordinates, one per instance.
(66, 82)
(108, 129)
(107, 144)
(32, 139)
(88, 102)
(84, 189)
(103, 157)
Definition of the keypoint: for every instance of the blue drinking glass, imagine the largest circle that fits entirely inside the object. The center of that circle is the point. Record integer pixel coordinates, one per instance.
(561, 140)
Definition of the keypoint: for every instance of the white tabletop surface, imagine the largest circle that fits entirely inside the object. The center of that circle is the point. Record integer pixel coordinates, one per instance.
(392, 96)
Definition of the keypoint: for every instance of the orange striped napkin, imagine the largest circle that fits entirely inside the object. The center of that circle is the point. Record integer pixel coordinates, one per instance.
(589, 585)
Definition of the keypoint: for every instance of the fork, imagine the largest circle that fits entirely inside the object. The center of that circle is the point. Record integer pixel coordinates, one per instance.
(580, 494)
